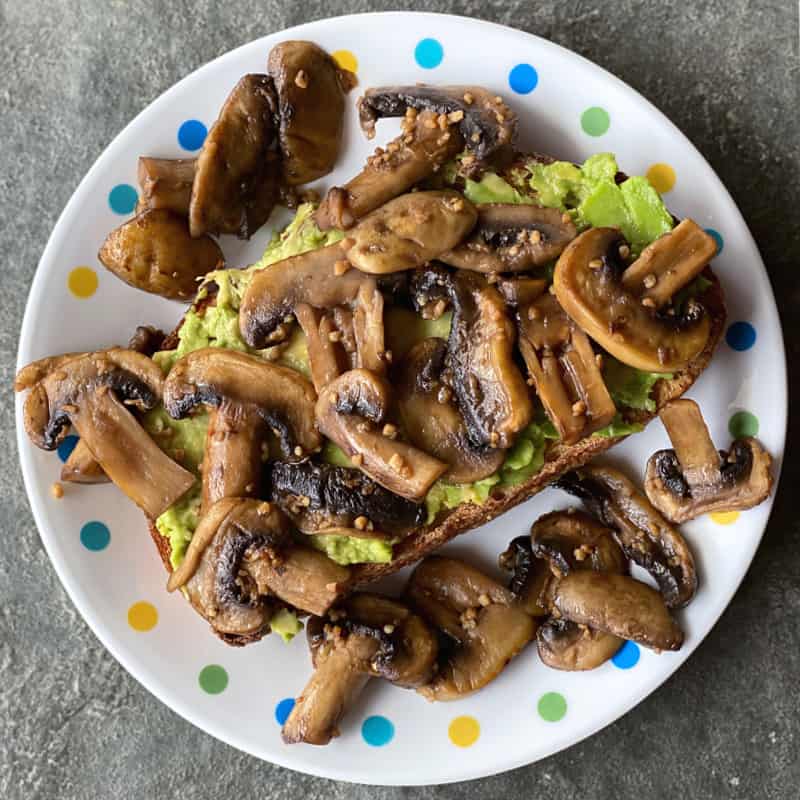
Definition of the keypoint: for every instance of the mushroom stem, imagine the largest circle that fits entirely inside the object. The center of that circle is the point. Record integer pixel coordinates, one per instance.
(368, 328)
(687, 430)
(82, 467)
(166, 183)
(133, 461)
(321, 350)
(232, 462)
(333, 687)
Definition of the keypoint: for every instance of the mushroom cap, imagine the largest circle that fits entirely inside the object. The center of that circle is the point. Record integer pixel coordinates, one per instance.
(588, 284)
(487, 124)
(344, 411)
(310, 109)
(283, 397)
(310, 278)
(154, 252)
(235, 184)
(512, 238)
(479, 615)
(567, 646)
(530, 577)
(432, 422)
(645, 536)
(411, 230)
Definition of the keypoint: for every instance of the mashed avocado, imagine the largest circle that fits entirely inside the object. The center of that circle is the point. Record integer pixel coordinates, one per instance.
(352, 549)
(285, 624)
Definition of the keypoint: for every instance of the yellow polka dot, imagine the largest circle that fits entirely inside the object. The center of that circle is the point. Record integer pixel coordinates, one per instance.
(142, 616)
(464, 731)
(346, 60)
(724, 517)
(82, 282)
(662, 177)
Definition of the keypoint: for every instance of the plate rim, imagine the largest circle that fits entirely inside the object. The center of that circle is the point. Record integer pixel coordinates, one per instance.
(81, 601)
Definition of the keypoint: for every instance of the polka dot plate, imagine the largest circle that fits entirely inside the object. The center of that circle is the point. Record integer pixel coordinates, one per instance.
(98, 542)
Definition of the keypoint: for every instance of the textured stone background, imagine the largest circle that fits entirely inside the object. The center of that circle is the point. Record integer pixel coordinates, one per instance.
(73, 724)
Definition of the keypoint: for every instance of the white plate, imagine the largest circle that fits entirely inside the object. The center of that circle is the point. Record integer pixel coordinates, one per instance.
(168, 659)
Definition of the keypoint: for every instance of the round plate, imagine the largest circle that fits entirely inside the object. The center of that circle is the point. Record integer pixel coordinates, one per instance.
(98, 542)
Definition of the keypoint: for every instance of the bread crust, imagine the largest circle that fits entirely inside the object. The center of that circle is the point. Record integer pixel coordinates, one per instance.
(559, 458)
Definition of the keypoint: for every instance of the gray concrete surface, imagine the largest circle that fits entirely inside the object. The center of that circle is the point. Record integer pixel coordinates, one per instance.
(73, 724)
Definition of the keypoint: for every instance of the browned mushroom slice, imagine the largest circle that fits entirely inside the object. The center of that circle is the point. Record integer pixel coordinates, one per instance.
(242, 558)
(320, 278)
(154, 252)
(351, 412)
(694, 478)
(91, 391)
(530, 579)
(479, 615)
(619, 605)
(323, 358)
(166, 183)
(236, 178)
(248, 396)
(520, 291)
(320, 498)
(671, 262)
(588, 284)
(411, 230)
(310, 109)
(571, 647)
(432, 422)
(487, 125)
(512, 238)
(420, 150)
(645, 536)
(366, 636)
(564, 370)
(489, 389)
(368, 331)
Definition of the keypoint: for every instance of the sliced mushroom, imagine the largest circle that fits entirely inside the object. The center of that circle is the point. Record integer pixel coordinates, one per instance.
(589, 285)
(248, 396)
(310, 109)
(564, 370)
(619, 605)
(530, 576)
(154, 252)
(91, 391)
(81, 466)
(520, 291)
(512, 238)
(366, 636)
(694, 478)
(411, 230)
(368, 331)
(321, 498)
(431, 420)
(670, 263)
(320, 278)
(420, 150)
(479, 616)
(323, 356)
(642, 532)
(236, 177)
(351, 411)
(166, 183)
(242, 560)
(489, 389)
(487, 124)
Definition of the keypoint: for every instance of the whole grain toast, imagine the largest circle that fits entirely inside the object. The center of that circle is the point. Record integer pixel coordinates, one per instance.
(559, 459)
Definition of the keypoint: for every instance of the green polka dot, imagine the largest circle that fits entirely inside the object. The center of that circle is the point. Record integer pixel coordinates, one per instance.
(595, 121)
(552, 706)
(213, 679)
(743, 423)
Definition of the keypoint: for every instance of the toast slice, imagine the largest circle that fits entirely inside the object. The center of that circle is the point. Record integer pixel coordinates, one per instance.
(559, 459)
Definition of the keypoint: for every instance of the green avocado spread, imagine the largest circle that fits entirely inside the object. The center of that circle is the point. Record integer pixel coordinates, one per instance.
(589, 193)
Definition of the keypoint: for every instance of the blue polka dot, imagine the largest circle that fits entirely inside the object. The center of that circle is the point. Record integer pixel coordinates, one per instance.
(428, 54)
(122, 198)
(283, 709)
(95, 536)
(192, 134)
(627, 656)
(523, 79)
(741, 336)
(377, 731)
(717, 236)
(67, 446)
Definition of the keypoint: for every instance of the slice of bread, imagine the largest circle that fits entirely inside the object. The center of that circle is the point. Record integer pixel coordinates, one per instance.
(559, 458)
